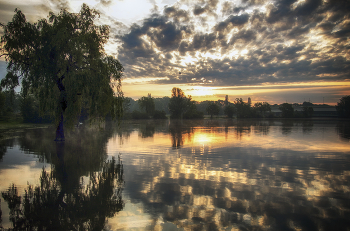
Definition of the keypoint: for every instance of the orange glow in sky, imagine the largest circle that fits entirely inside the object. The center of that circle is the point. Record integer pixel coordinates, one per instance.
(259, 93)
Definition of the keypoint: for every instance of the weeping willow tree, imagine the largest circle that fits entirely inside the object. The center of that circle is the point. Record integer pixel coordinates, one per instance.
(62, 62)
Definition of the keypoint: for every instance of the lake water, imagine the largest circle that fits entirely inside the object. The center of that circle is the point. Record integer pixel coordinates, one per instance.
(179, 175)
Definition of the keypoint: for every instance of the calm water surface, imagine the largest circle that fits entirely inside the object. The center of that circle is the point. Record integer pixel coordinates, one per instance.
(179, 175)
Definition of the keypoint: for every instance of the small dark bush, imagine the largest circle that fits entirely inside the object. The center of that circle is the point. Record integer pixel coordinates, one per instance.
(193, 114)
(159, 115)
(137, 115)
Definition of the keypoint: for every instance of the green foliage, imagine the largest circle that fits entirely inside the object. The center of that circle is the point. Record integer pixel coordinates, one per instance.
(343, 107)
(2, 103)
(287, 110)
(213, 109)
(61, 61)
(9, 105)
(30, 111)
(229, 110)
(147, 104)
(243, 109)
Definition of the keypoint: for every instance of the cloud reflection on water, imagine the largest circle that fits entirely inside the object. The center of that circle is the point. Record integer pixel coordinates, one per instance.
(250, 175)
(206, 175)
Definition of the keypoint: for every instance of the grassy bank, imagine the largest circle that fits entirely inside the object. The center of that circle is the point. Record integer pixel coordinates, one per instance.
(9, 125)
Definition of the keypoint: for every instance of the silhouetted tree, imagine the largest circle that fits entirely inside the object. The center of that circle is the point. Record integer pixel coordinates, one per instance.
(343, 107)
(192, 112)
(147, 104)
(229, 110)
(307, 104)
(243, 109)
(137, 115)
(213, 109)
(178, 103)
(287, 110)
(126, 104)
(308, 111)
(162, 104)
(62, 62)
(159, 115)
(262, 108)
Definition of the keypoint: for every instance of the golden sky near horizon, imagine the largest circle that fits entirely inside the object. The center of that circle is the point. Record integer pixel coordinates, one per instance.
(274, 51)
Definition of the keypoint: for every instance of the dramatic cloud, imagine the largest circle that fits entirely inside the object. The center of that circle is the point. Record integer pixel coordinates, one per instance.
(224, 43)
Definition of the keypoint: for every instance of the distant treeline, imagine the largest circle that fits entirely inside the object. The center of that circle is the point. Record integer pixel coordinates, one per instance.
(180, 106)
(13, 106)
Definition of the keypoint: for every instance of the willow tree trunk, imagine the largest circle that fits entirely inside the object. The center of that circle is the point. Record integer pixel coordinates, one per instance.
(62, 107)
(60, 130)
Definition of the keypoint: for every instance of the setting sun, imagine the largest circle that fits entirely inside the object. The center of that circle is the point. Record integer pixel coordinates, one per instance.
(201, 91)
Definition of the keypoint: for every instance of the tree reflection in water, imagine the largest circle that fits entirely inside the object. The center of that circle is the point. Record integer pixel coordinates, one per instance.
(343, 129)
(62, 200)
(49, 206)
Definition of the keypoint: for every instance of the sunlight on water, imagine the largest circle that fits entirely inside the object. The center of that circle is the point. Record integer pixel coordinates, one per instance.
(188, 175)
(214, 174)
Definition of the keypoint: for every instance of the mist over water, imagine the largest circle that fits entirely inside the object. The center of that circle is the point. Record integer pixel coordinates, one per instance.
(180, 175)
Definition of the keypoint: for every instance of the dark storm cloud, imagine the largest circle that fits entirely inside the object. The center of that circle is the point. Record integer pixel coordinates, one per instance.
(326, 26)
(245, 36)
(343, 32)
(199, 10)
(176, 14)
(164, 34)
(282, 9)
(139, 57)
(289, 42)
(308, 7)
(234, 21)
(201, 42)
(298, 31)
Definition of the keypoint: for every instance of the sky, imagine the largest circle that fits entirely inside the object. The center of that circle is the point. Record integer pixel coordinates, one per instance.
(275, 51)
